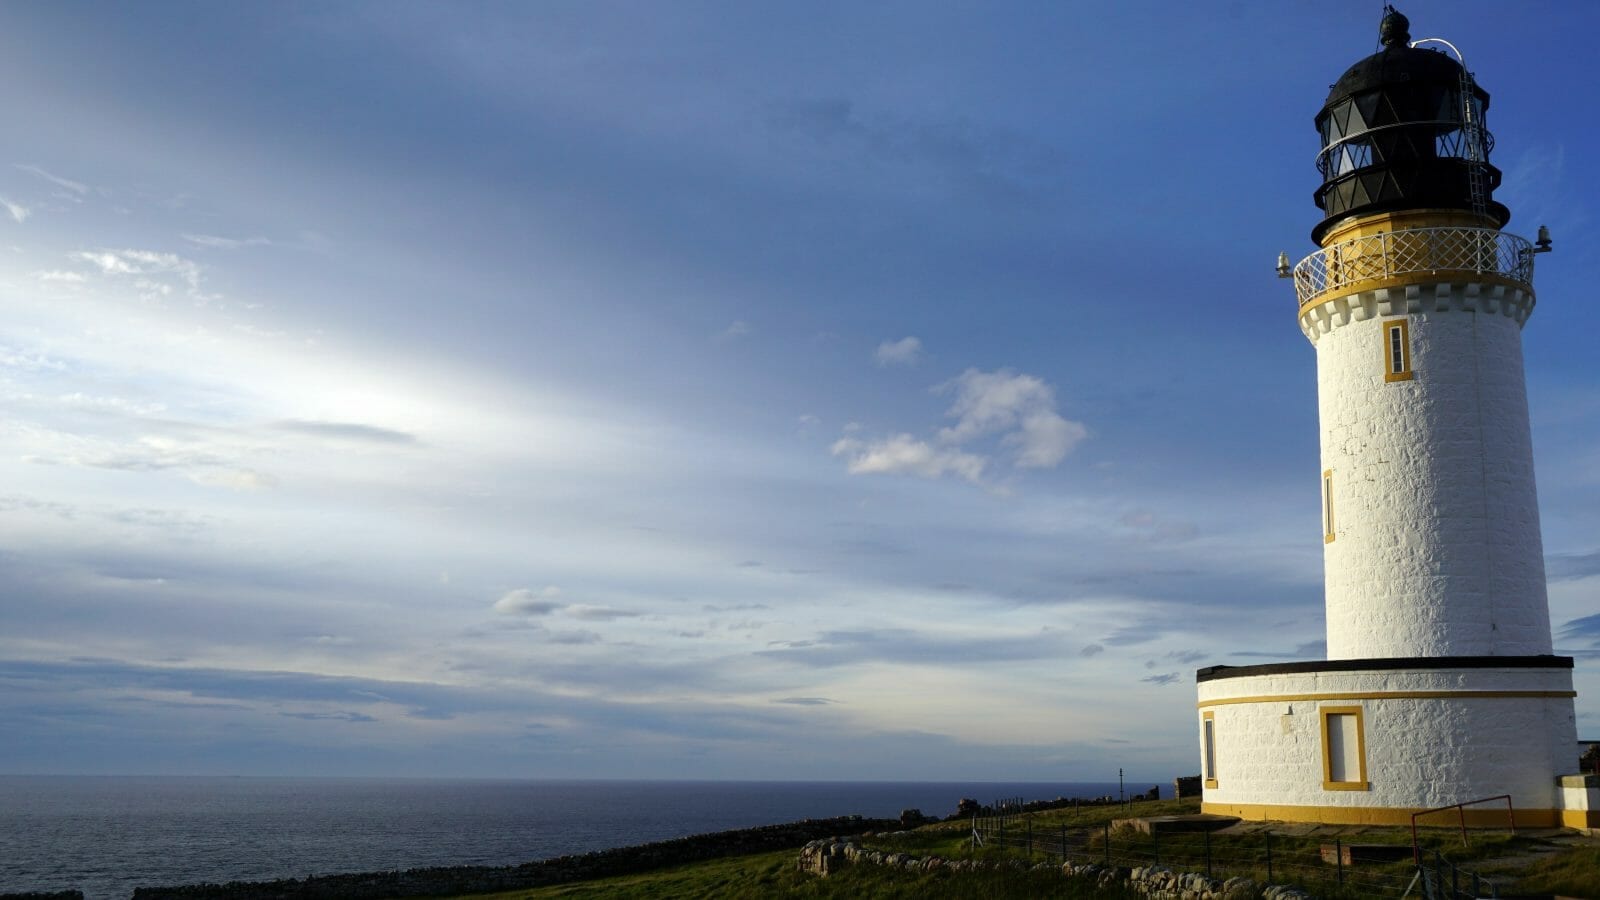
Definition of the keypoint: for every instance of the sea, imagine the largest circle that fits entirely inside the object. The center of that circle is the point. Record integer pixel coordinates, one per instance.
(108, 835)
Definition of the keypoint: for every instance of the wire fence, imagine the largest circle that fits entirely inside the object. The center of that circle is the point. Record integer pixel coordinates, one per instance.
(1336, 869)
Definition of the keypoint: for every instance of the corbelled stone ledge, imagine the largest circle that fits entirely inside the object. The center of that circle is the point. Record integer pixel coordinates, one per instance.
(450, 880)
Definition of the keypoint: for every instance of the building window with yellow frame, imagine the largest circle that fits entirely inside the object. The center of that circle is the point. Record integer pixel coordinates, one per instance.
(1344, 749)
(1396, 350)
(1208, 738)
(1327, 506)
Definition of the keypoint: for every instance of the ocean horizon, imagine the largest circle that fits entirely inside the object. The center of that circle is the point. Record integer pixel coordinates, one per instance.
(109, 834)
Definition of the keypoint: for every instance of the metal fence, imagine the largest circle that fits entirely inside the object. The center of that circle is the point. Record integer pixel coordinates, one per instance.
(1261, 857)
(1467, 251)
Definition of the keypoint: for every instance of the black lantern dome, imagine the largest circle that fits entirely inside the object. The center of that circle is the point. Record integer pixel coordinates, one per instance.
(1403, 129)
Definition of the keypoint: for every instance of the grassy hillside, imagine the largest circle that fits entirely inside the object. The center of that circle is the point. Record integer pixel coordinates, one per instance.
(773, 875)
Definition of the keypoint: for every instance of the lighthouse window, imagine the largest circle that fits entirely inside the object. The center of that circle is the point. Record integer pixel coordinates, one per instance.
(1327, 507)
(1397, 351)
(1208, 728)
(1344, 752)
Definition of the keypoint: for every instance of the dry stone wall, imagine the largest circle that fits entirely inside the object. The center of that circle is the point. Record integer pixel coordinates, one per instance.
(828, 855)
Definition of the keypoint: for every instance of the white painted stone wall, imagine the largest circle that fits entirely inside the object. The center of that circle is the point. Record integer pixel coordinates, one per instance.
(1580, 794)
(1437, 549)
(1420, 752)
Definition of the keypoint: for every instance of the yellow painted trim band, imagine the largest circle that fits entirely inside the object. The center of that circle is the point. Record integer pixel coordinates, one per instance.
(1390, 695)
(1386, 815)
(1404, 220)
(1580, 818)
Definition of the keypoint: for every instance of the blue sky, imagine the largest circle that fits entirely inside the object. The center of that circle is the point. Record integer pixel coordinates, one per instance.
(817, 390)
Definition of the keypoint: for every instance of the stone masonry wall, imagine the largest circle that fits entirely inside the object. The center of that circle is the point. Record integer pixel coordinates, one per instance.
(823, 857)
(1437, 550)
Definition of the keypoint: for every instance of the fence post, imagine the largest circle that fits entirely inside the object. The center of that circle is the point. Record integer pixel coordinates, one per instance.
(1338, 860)
(1063, 842)
(1030, 838)
(1269, 857)
(1108, 845)
(1208, 853)
(1155, 844)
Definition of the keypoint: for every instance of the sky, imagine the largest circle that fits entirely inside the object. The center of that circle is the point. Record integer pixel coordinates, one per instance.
(698, 390)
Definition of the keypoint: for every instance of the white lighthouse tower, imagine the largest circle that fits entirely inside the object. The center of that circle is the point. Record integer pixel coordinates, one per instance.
(1439, 687)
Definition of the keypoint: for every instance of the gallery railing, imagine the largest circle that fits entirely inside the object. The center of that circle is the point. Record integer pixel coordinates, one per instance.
(1392, 256)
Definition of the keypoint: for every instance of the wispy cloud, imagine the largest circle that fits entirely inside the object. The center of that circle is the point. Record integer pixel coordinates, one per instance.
(60, 276)
(529, 602)
(733, 332)
(75, 187)
(1586, 628)
(144, 264)
(1571, 567)
(600, 613)
(221, 243)
(237, 479)
(1164, 678)
(347, 431)
(19, 213)
(904, 352)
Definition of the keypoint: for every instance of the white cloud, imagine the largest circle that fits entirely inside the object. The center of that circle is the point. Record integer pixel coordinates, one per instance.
(18, 212)
(734, 331)
(529, 602)
(904, 352)
(237, 480)
(146, 263)
(222, 243)
(1020, 409)
(1045, 439)
(1024, 406)
(903, 454)
(59, 275)
(73, 186)
(109, 263)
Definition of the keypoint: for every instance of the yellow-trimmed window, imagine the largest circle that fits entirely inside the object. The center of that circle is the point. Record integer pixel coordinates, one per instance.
(1396, 350)
(1327, 506)
(1344, 749)
(1208, 741)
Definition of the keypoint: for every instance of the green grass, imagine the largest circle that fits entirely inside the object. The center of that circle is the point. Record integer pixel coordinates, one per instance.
(1570, 872)
(1566, 865)
(773, 875)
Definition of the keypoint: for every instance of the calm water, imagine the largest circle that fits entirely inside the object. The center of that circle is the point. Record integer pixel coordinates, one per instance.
(108, 835)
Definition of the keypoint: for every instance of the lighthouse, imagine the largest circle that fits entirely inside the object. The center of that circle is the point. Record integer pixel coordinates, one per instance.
(1440, 686)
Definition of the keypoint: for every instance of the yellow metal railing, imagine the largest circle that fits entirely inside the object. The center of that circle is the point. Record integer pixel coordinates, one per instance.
(1395, 255)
